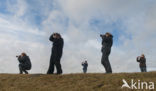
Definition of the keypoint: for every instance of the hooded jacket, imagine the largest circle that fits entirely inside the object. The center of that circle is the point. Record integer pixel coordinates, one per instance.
(107, 42)
(25, 61)
(57, 48)
(142, 61)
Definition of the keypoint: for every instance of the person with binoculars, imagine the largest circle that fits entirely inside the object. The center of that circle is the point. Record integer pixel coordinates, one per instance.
(24, 63)
(56, 53)
(142, 60)
(107, 42)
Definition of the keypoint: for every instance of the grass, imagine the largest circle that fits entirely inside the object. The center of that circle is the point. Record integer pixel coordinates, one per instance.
(72, 82)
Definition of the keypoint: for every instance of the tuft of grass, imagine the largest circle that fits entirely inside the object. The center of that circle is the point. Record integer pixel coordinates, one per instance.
(71, 82)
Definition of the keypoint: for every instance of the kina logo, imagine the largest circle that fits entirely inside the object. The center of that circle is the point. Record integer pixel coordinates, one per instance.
(137, 84)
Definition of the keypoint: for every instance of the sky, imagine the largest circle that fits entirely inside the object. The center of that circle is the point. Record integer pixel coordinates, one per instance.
(26, 25)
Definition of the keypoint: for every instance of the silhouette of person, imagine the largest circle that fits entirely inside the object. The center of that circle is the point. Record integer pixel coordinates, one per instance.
(56, 54)
(85, 65)
(24, 63)
(107, 42)
(142, 60)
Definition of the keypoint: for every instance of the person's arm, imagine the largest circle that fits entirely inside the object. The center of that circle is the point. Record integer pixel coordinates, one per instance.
(138, 59)
(51, 38)
(20, 59)
(82, 63)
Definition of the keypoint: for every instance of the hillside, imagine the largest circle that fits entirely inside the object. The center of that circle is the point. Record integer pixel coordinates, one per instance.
(72, 82)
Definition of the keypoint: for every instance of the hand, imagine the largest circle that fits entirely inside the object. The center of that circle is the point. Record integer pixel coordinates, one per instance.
(138, 58)
(18, 56)
(102, 35)
(54, 35)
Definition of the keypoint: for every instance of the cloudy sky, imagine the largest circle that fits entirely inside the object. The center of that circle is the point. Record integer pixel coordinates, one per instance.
(25, 26)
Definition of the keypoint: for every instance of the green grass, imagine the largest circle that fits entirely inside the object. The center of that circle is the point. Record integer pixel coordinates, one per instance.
(71, 82)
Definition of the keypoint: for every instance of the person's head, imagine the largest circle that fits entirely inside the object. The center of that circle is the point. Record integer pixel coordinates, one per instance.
(108, 34)
(23, 54)
(85, 61)
(57, 35)
(142, 55)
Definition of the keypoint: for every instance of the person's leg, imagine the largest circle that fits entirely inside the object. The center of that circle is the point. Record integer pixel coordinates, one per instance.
(25, 68)
(20, 68)
(144, 69)
(141, 68)
(58, 67)
(51, 66)
(26, 72)
(103, 61)
(109, 69)
(106, 63)
(85, 70)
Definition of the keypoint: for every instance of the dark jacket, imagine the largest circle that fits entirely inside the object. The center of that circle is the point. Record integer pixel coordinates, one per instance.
(142, 61)
(107, 42)
(57, 48)
(25, 61)
(85, 65)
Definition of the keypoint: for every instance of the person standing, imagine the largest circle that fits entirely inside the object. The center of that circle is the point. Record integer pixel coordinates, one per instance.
(56, 54)
(24, 63)
(85, 65)
(142, 60)
(107, 42)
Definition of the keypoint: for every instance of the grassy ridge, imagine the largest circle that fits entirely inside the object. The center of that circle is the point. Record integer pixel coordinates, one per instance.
(71, 82)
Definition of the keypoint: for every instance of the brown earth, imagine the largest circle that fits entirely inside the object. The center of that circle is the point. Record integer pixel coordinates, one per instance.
(72, 82)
